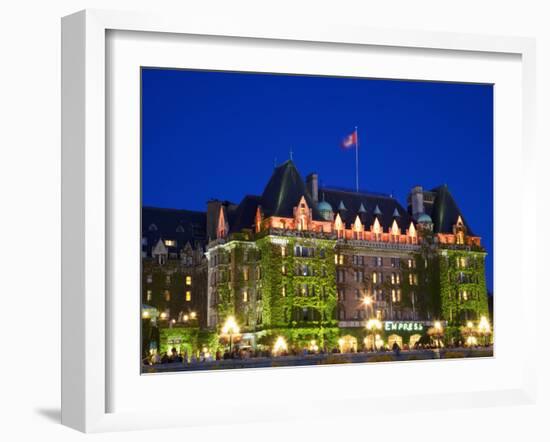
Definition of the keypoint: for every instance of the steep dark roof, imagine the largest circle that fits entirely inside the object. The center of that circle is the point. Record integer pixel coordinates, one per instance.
(180, 225)
(283, 192)
(353, 200)
(445, 211)
(243, 216)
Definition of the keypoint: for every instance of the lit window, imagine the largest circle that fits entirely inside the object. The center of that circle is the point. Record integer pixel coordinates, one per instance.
(245, 273)
(341, 259)
(283, 290)
(167, 295)
(393, 295)
(283, 251)
(170, 243)
(149, 279)
(188, 295)
(188, 280)
(374, 278)
(245, 296)
(149, 295)
(393, 278)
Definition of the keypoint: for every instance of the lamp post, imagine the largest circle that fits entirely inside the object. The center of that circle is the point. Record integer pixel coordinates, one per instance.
(230, 328)
(280, 346)
(374, 324)
(484, 328)
(470, 329)
(438, 329)
(367, 301)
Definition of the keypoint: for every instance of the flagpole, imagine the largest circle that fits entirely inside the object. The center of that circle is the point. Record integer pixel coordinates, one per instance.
(356, 160)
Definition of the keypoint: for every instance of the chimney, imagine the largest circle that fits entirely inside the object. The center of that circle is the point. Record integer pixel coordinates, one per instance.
(312, 185)
(416, 198)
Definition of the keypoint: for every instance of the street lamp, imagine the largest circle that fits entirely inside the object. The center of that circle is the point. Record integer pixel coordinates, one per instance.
(484, 328)
(373, 325)
(438, 331)
(367, 301)
(230, 328)
(280, 346)
(470, 328)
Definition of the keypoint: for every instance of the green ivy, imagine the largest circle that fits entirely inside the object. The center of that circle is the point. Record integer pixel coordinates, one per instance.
(188, 339)
(452, 305)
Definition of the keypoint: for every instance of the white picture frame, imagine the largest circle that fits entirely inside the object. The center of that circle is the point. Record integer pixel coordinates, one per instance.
(87, 219)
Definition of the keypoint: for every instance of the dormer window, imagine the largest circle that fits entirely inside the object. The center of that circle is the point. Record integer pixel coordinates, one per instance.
(153, 228)
(180, 229)
(338, 226)
(395, 228)
(376, 228)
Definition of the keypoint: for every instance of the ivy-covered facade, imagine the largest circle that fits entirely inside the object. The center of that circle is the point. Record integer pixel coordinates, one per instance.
(314, 264)
(306, 259)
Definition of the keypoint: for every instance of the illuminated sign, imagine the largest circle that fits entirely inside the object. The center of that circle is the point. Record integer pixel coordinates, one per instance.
(279, 241)
(403, 326)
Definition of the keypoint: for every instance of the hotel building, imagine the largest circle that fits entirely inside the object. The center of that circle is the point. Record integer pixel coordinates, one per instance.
(314, 264)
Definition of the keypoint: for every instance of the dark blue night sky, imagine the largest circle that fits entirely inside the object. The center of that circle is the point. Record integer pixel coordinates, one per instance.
(216, 135)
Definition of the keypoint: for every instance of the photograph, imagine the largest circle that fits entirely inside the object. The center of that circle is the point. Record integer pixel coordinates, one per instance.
(303, 220)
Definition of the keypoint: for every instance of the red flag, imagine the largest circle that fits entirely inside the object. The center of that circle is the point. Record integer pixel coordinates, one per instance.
(350, 140)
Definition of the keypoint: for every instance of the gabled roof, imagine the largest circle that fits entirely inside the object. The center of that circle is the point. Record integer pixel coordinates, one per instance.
(445, 211)
(182, 225)
(354, 200)
(283, 192)
(243, 216)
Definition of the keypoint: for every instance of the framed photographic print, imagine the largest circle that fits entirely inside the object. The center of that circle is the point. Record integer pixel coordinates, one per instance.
(298, 272)
(278, 209)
